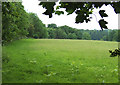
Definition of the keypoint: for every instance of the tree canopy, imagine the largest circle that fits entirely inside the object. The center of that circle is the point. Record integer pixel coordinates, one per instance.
(82, 9)
(18, 24)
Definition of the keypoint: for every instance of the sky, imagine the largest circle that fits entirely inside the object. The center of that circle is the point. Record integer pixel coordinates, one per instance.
(69, 20)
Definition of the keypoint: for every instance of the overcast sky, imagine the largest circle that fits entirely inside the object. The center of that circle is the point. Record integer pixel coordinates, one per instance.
(69, 20)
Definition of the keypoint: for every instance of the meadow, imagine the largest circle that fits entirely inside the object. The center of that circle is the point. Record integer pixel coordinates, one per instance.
(59, 61)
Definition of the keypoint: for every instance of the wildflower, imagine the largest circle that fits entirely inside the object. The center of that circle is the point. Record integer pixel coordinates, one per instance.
(73, 63)
(48, 65)
(103, 81)
(52, 73)
(33, 61)
(48, 75)
(39, 81)
(115, 70)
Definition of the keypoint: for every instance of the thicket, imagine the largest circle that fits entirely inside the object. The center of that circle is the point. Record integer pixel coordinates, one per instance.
(66, 32)
(18, 24)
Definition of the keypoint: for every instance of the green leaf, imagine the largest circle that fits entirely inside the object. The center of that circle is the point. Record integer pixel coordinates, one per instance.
(47, 12)
(57, 7)
(102, 24)
(116, 6)
(102, 13)
(98, 4)
(49, 6)
(59, 12)
(80, 18)
(70, 11)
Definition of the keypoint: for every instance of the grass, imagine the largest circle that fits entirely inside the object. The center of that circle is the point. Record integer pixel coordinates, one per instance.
(59, 61)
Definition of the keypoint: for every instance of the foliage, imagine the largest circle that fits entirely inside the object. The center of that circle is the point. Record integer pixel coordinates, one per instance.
(72, 36)
(66, 32)
(37, 29)
(60, 34)
(78, 34)
(52, 26)
(114, 53)
(115, 36)
(82, 9)
(51, 33)
(86, 36)
(17, 23)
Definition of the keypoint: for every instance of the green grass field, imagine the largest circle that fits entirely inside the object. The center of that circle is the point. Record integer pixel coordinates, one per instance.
(59, 61)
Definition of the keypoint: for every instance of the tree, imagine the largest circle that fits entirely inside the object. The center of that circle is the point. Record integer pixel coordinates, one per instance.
(36, 29)
(15, 21)
(78, 34)
(52, 26)
(60, 34)
(31, 30)
(118, 35)
(111, 33)
(65, 28)
(18, 24)
(73, 33)
(115, 36)
(51, 33)
(105, 38)
(86, 36)
(82, 9)
(72, 36)
(44, 33)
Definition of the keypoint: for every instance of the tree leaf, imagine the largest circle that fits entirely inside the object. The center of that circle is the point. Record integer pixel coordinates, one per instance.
(49, 6)
(59, 12)
(102, 13)
(80, 18)
(103, 23)
(116, 6)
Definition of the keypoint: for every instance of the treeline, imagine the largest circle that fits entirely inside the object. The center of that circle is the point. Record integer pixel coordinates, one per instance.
(18, 24)
(66, 32)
